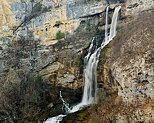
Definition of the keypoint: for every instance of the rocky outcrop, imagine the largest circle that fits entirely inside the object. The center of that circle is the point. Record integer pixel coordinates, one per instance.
(135, 6)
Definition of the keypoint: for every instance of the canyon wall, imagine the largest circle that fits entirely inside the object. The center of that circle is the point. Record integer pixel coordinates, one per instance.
(50, 38)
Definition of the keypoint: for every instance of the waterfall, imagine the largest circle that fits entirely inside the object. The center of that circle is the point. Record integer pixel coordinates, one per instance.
(106, 24)
(114, 23)
(90, 71)
(92, 59)
(55, 119)
(67, 109)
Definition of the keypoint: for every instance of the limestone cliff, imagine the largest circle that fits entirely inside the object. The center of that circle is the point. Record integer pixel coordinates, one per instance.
(46, 41)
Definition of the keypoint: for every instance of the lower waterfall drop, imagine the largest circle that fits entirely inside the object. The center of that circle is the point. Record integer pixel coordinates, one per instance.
(90, 71)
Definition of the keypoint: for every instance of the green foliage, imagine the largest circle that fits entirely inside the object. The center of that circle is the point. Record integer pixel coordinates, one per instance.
(37, 7)
(88, 26)
(60, 35)
(2, 113)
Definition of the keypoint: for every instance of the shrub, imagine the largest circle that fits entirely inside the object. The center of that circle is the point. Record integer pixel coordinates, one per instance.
(26, 97)
(37, 7)
(60, 35)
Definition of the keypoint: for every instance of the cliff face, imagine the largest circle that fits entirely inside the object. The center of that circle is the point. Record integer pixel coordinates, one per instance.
(46, 18)
(126, 73)
(50, 39)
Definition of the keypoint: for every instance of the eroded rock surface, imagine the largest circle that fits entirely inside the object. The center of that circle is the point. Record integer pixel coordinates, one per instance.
(126, 69)
(47, 40)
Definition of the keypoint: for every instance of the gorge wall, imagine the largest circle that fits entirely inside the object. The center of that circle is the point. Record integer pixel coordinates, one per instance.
(126, 71)
(50, 38)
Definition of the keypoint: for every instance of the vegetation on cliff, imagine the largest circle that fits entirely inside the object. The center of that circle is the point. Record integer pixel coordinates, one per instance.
(60, 35)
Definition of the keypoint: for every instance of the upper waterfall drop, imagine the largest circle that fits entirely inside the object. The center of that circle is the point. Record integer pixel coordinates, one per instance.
(106, 24)
(113, 28)
(90, 70)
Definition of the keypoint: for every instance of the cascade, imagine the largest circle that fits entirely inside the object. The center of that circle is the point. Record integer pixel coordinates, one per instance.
(106, 24)
(67, 109)
(90, 70)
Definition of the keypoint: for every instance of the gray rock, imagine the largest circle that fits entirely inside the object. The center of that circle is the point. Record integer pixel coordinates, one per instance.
(68, 78)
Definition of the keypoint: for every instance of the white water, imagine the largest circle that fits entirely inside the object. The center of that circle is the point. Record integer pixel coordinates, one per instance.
(55, 119)
(67, 109)
(90, 70)
(106, 25)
